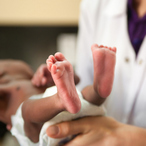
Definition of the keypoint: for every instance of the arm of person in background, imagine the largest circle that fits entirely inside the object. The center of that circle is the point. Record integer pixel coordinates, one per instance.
(96, 131)
(42, 77)
(14, 70)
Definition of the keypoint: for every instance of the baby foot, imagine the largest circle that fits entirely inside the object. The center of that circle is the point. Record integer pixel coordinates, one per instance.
(63, 76)
(104, 59)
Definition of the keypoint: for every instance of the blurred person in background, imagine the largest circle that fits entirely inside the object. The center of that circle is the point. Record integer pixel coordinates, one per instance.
(11, 70)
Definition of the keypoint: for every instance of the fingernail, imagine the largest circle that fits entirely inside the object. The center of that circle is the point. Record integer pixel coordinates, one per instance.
(53, 130)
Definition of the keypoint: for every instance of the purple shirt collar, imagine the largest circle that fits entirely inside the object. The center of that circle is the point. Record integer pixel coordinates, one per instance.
(136, 27)
(133, 12)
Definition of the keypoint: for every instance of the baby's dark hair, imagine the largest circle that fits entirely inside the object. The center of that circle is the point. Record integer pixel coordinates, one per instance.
(4, 97)
(3, 105)
(3, 130)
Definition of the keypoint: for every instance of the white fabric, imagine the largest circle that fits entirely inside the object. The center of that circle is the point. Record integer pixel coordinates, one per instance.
(105, 22)
(17, 130)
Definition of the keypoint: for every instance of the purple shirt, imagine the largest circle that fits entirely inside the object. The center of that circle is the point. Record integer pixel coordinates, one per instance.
(136, 27)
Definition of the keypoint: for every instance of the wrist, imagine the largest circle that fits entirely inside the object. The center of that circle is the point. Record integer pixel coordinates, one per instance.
(129, 135)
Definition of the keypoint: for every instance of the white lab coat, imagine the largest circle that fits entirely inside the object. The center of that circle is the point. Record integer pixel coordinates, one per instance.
(105, 22)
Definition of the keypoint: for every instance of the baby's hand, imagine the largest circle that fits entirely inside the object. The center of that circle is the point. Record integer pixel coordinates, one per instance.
(42, 77)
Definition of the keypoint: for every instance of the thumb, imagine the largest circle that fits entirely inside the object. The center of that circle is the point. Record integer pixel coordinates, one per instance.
(67, 128)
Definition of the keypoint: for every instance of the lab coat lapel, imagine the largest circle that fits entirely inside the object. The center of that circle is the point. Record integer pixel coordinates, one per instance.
(138, 77)
(142, 51)
(135, 67)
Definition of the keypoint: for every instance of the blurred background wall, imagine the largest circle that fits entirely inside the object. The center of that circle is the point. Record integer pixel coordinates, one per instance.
(31, 30)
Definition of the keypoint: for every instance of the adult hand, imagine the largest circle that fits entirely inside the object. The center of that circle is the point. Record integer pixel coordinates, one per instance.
(102, 131)
(42, 77)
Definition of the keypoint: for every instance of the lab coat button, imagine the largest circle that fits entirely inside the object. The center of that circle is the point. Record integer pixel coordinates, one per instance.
(140, 61)
(127, 59)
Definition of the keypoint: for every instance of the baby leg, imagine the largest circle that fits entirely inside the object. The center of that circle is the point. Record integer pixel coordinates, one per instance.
(63, 76)
(104, 59)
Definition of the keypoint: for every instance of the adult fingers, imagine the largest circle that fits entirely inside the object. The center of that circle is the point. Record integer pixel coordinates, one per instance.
(68, 128)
